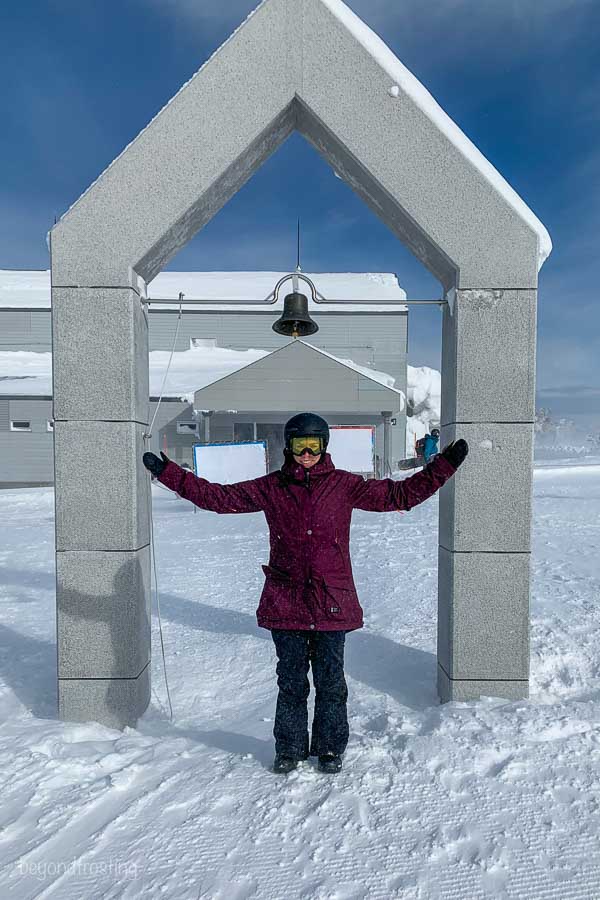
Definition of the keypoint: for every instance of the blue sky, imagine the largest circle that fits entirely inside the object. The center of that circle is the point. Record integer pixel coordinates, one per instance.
(520, 77)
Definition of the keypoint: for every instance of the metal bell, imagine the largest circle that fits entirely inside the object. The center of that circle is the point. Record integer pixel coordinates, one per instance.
(295, 320)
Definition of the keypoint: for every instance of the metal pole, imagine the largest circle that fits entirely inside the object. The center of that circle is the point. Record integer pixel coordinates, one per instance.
(387, 424)
(206, 416)
(274, 295)
(268, 302)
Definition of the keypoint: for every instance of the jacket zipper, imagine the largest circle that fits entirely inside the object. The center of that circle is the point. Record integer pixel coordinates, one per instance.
(310, 581)
(339, 549)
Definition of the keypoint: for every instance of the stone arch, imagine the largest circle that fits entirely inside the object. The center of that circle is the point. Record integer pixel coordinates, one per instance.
(314, 67)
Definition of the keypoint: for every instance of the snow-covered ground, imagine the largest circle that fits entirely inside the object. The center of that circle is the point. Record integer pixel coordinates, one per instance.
(466, 800)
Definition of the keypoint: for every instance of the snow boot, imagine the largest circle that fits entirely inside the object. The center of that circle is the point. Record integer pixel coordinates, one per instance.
(330, 763)
(284, 764)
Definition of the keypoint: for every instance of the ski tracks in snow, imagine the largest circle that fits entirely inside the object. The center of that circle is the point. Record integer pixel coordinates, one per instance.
(471, 800)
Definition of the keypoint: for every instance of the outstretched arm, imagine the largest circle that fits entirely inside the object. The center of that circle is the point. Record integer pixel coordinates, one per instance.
(242, 497)
(386, 495)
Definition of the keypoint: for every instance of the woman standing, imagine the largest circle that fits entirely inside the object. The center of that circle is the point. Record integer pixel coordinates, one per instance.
(309, 600)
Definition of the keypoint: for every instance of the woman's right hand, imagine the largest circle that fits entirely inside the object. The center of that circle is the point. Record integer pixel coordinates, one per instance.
(155, 465)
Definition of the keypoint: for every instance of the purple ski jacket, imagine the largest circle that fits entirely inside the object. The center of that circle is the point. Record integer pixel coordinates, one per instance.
(309, 583)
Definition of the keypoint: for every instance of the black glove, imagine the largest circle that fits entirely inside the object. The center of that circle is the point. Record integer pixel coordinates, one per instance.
(455, 452)
(154, 464)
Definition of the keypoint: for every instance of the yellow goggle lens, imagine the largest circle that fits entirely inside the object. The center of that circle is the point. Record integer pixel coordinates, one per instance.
(306, 443)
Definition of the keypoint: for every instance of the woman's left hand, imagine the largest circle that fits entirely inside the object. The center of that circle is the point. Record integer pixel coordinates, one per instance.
(455, 452)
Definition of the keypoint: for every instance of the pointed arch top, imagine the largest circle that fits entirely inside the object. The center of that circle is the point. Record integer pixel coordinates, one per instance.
(315, 67)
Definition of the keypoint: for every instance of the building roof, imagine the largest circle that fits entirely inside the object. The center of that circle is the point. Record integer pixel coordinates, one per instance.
(29, 373)
(278, 380)
(22, 289)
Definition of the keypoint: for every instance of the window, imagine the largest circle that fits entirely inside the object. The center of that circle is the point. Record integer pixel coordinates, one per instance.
(243, 431)
(187, 428)
(20, 426)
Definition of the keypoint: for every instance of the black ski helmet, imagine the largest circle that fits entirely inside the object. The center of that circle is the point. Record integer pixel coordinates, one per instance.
(435, 432)
(303, 425)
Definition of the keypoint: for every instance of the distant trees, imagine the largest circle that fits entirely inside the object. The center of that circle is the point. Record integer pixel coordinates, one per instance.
(543, 420)
(553, 434)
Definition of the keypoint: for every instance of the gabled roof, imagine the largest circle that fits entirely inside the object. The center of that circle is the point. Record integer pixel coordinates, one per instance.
(299, 373)
(340, 86)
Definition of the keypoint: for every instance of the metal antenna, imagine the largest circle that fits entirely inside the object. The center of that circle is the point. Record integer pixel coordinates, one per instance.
(298, 269)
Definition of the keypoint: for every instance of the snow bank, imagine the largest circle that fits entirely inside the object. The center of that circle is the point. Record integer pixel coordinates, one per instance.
(424, 390)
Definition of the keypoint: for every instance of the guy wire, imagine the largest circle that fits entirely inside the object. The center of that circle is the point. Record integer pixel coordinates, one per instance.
(147, 437)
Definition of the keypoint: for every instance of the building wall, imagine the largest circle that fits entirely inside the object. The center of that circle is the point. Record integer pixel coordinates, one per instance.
(25, 329)
(26, 457)
(378, 341)
(230, 427)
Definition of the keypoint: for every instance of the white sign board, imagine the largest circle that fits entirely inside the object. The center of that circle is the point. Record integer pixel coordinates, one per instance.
(228, 463)
(352, 447)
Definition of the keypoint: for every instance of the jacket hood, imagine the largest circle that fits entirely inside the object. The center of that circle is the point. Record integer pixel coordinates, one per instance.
(294, 471)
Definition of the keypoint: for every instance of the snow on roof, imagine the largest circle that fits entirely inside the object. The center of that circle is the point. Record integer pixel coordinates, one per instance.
(382, 378)
(369, 287)
(31, 289)
(24, 289)
(402, 78)
(29, 373)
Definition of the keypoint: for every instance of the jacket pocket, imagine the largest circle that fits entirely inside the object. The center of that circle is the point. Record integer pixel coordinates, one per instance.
(278, 598)
(335, 601)
(276, 574)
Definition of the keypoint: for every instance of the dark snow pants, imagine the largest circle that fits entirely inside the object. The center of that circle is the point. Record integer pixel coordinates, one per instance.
(324, 652)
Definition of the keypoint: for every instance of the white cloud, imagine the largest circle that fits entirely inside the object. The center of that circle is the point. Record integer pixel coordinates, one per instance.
(209, 15)
(469, 16)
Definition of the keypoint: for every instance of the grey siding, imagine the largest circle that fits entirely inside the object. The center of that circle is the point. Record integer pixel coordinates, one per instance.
(374, 340)
(377, 340)
(164, 433)
(27, 457)
(298, 377)
(25, 329)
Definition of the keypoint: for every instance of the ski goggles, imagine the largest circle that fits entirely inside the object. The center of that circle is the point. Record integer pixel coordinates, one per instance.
(314, 445)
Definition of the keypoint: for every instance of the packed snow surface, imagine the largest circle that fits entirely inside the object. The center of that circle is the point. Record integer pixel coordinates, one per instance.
(487, 798)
